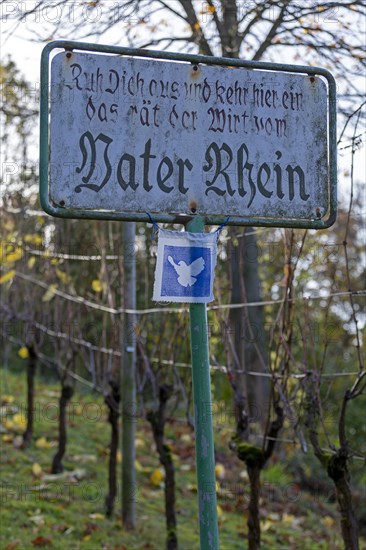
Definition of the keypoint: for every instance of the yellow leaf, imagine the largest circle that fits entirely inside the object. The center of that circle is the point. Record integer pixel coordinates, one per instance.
(19, 420)
(50, 293)
(8, 423)
(31, 262)
(42, 443)
(14, 256)
(38, 241)
(288, 518)
(138, 466)
(7, 277)
(34, 239)
(139, 443)
(7, 399)
(36, 470)
(328, 521)
(96, 516)
(186, 438)
(64, 277)
(97, 286)
(7, 438)
(196, 26)
(220, 512)
(220, 471)
(266, 525)
(156, 477)
(78, 409)
(23, 352)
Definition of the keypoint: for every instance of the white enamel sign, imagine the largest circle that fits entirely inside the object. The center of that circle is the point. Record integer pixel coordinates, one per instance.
(139, 135)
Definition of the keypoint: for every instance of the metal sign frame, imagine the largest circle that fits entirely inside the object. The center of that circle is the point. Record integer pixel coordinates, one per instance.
(196, 59)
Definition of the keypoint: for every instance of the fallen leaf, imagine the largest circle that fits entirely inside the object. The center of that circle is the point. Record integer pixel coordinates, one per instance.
(38, 520)
(266, 525)
(157, 477)
(19, 421)
(244, 475)
(36, 470)
(42, 443)
(89, 528)
(186, 438)
(220, 471)
(78, 409)
(42, 541)
(328, 521)
(96, 516)
(13, 545)
(140, 468)
(288, 518)
(8, 423)
(7, 399)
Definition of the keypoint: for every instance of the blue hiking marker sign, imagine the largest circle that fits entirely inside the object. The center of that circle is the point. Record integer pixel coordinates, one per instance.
(185, 267)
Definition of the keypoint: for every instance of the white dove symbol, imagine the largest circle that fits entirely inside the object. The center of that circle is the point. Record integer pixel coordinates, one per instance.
(187, 273)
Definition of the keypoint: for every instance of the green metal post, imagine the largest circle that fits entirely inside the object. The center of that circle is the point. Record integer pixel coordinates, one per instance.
(205, 459)
(128, 380)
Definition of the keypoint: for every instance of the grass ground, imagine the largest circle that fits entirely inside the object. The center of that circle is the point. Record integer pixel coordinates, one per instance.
(67, 511)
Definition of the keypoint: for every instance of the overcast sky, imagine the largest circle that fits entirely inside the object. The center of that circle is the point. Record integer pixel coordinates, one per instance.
(27, 53)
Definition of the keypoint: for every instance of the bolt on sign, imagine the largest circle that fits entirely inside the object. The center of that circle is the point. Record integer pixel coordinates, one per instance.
(133, 131)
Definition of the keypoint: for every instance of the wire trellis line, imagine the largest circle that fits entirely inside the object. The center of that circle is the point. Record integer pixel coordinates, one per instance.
(221, 368)
(119, 311)
(48, 361)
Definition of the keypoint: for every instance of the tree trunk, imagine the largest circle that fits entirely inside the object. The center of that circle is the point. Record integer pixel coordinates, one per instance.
(112, 401)
(66, 394)
(254, 530)
(31, 371)
(157, 421)
(247, 327)
(255, 459)
(171, 522)
(338, 472)
(254, 334)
